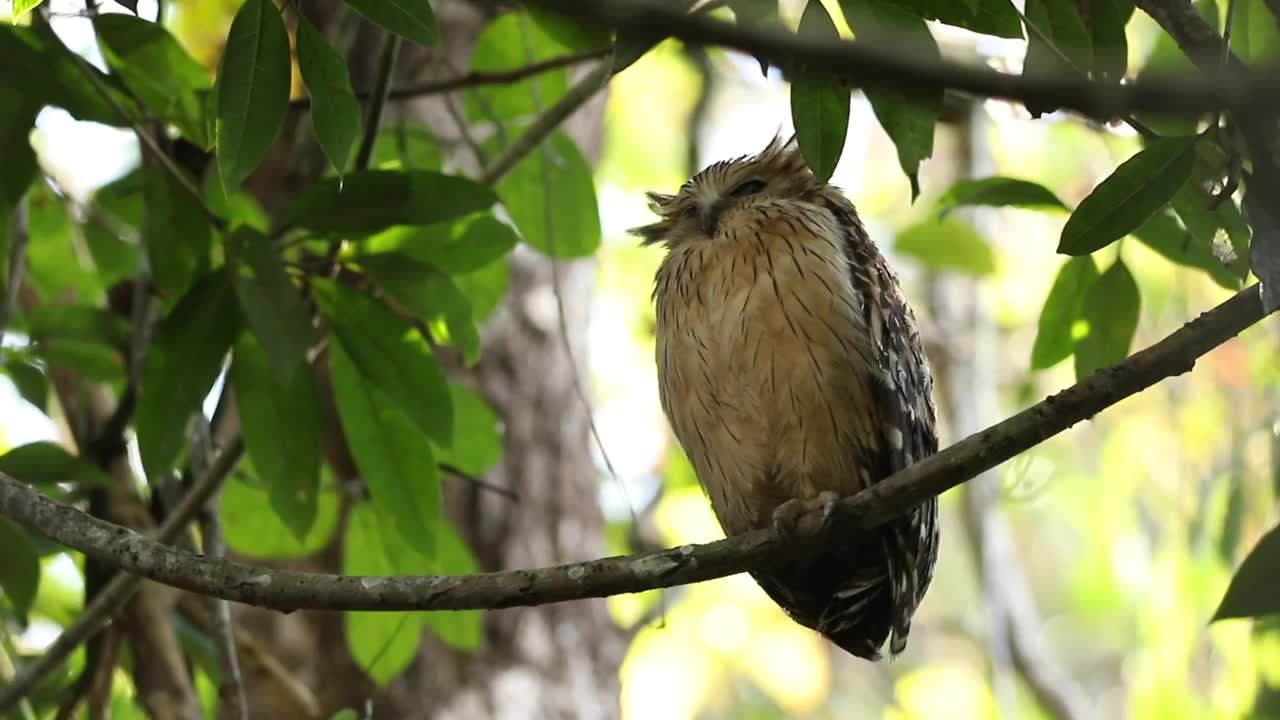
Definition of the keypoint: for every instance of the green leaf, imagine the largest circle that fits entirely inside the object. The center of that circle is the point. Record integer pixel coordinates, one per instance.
(55, 266)
(18, 170)
(390, 355)
(1207, 221)
(551, 197)
(118, 211)
(1058, 43)
(1062, 308)
(157, 70)
(19, 569)
(345, 714)
(281, 423)
(431, 296)
(27, 376)
(1255, 36)
(184, 359)
(1000, 192)
(405, 146)
(571, 33)
(411, 19)
(394, 458)
(367, 201)
(461, 246)
(253, 527)
(819, 101)
(93, 361)
(477, 433)
(988, 17)
(238, 208)
(513, 41)
(1134, 192)
(1252, 592)
(37, 67)
(1107, 21)
(485, 287)
(1110, 310)
(273, 307)
(947, 244)
(47, 464)
(80, 323)
(461, 629)
(1162, 233)
(22, 7)
(177, 234)
(335, 112)
(253, 89)
(907, 116)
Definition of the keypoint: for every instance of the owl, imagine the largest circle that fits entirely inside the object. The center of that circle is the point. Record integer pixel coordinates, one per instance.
(792, 372)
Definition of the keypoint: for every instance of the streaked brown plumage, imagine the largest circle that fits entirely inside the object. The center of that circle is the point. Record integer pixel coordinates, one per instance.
(790, 367)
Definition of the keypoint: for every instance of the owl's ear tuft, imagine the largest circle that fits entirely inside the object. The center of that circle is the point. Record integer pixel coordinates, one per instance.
(651, 234)
(659, 202)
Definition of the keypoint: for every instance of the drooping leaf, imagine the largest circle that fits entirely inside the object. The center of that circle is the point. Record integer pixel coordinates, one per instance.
(280, 419)
(254, 528)
(1162, 233)
(184, 359)
(38, 68)
(460, 629)
(988, 17)
(477, 433)
(573, 34)
(394, 457)
(1000, 192)
(485, 287)
(27, 376)
(19, 569)
(431, 296)
(237, 208)
(947, 244)
(1252, 592)
(457, 247)
(1134, 192)
(1107, 21)
(551, 197)
(819, 101)
(253, 90)
(908, 116)
(112, 227)
(631, 45)
(1110, 309)
(367, 201)
(390, 356)
(1054, 340)
(177, 233)
(1265, 250)
(155, 68)
(47, 464)
(761, 14)
(1211, 221)
(18, 170)
(1058, 43)
(1255, 36)
(271, 304)
(80, 323)
(335, 112)
(410, 20)
(513, 41)
(405, 146)
(55, 266)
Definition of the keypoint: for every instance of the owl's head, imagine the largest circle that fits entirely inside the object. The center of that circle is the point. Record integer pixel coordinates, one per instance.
(707, 202)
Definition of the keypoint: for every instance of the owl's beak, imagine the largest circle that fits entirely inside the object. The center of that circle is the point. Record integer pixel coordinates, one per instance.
(709, 218)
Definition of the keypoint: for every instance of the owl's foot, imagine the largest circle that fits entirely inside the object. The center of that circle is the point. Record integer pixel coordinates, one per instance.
(789, 517)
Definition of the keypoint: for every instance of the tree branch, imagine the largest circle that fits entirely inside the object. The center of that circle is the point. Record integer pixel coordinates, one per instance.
(878, 61)
(288, 590)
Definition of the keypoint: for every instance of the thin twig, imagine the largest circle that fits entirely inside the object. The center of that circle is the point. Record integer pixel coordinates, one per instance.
(121, 587)
(290, 590)
(378, 99)
(481, 483)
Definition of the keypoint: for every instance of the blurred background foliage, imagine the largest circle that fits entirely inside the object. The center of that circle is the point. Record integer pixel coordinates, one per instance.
(1127, 527)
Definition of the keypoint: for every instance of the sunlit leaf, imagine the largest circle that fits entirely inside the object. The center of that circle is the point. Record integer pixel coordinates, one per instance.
(457, 247)
(512, 41)
(253, 89)
(78, 322)
(1255, 36)
(462, 629)
(819, 101)
(552, 199)
(999, 192)
(19, 569)
(371, 200)
(405, 146)
(1162, 233)
(27, 376)
(280, 418)
(335, 112)
(47, 464)
(254, 529)
(1134, 192)
(22, 7)
(947, 244)
(1110, 309)
(271, 303)
(117, 217)
(390, 355)
(184, 359)
(432, 296)
(55, 266)
(1054, 341)
(1208, 219)
(412, 20)
(477, 433)
(1252, 592)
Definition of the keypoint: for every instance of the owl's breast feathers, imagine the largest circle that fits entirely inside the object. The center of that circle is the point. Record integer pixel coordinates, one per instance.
(789, 365)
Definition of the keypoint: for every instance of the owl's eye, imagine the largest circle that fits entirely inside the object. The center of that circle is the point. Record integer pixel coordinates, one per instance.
(750, 187)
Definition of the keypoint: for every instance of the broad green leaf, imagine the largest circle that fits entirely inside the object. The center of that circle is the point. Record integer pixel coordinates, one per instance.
(367, 201)
(477, 433)
(1107, 21)
(819, 101)
(273, 307)
(1162, 233)
(1054, 336)
(238, 208)
(382, 643)
(457, 247)
(22, 7)
(177, 233)
(18, 170)
(335, 112)
(253, 90)
(1000, 192)
(405, 146)
(462, 629)
(1167, 59)
(35, 65)
(81, 323)
(431, 296)
(27, 376)
(907, 116)
(1252, 592)
(411, 19)
(1110, 310)
(763, 14)
(280, 418)
(345, 714)
(1255, 36)
(91, 360)
(394, 457)
(113, 226)
(551, 197)
(573, 34)
(19, 569)
(1058, 43)
(1134, 192)
(184, 359)
(510, 42)
(46, 464)
(253, 528)
(947, 244)
(988, 17)
(631, 45)
(390, 355)
(485, 287)
(1206, 221)
(157, 70)
(55, 265)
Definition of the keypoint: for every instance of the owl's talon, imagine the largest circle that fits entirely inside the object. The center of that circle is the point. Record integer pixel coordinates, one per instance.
(787, 517)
